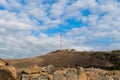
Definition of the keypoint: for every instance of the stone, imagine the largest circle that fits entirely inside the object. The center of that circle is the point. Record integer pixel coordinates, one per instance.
(82, 74)
(33, 69)
(57, 77)
(71, 75)
(6, 75)
(25, 78)
(43, 77)
(96, 78)
(43, 69)
(50, 69)
(3, 62)
(103, 78)
(116, 72)
(8, 71)
(116, 77)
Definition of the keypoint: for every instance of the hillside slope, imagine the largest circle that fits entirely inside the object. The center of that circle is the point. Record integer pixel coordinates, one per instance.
(71, 58)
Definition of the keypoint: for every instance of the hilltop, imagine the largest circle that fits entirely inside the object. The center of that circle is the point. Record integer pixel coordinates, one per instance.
(72, 58)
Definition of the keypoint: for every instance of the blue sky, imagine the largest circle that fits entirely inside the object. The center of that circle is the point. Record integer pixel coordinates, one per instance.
(30, 28)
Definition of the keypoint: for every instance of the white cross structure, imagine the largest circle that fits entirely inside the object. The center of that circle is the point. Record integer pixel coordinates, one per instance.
(60, 40)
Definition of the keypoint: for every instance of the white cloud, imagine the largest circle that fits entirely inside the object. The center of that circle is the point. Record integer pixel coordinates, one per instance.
(14, 25)
(17, 21)
(113, 46)
(3, 2)
(58, 8)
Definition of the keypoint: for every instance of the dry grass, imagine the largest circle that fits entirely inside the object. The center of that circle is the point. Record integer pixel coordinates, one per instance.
(71, 58)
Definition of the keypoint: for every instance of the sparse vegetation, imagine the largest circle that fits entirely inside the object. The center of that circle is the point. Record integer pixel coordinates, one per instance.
(73, 58)
(115, 66)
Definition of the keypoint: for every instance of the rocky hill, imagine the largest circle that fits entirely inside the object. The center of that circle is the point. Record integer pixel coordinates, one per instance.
(69, 65)
(72, 58)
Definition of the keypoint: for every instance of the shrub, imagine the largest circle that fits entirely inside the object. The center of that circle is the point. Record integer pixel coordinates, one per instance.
(116, 66)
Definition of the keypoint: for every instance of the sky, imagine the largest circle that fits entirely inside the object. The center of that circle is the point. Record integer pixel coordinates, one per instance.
(30, 28)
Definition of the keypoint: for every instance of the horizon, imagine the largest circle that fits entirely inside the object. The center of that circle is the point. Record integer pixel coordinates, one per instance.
(61, 50)
(30, 28)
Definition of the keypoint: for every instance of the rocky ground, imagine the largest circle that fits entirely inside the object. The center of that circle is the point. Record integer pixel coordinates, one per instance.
(52, 73)
(66, 65)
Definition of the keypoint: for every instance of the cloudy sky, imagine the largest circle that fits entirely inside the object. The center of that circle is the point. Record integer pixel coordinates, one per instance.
(32, 27)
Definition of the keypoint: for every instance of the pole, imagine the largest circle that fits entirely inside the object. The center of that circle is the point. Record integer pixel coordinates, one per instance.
(60, 40)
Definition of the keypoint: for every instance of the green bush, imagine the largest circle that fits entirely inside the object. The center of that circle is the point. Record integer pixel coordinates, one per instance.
(116, 66)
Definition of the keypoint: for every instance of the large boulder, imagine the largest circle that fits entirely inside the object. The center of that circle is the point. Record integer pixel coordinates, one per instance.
(6, 75)
(3, 63)
(71, 74)
(82, 74)
(32, 70)
(57, 77)
(50, 69)
(7, 72)
(10, 69)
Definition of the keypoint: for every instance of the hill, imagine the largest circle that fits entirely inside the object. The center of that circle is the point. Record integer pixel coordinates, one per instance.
(72, 58)
(66, 65)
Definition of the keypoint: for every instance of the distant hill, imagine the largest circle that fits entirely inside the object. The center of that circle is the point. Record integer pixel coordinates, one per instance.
(72, 58)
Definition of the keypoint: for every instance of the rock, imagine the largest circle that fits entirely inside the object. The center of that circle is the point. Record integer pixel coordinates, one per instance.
(43, 69)
(50, 69)
(3, 62)
(25, 78)
(103, 78)
(96, 78)
(60, 74)
(10, 69)
(93, 76)
(71, 74)
(82, 74)
(116, 72)
(57, 77)
(110, 73)
(116, 77)
(33, 69)
(43, 77)
(6, 75)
